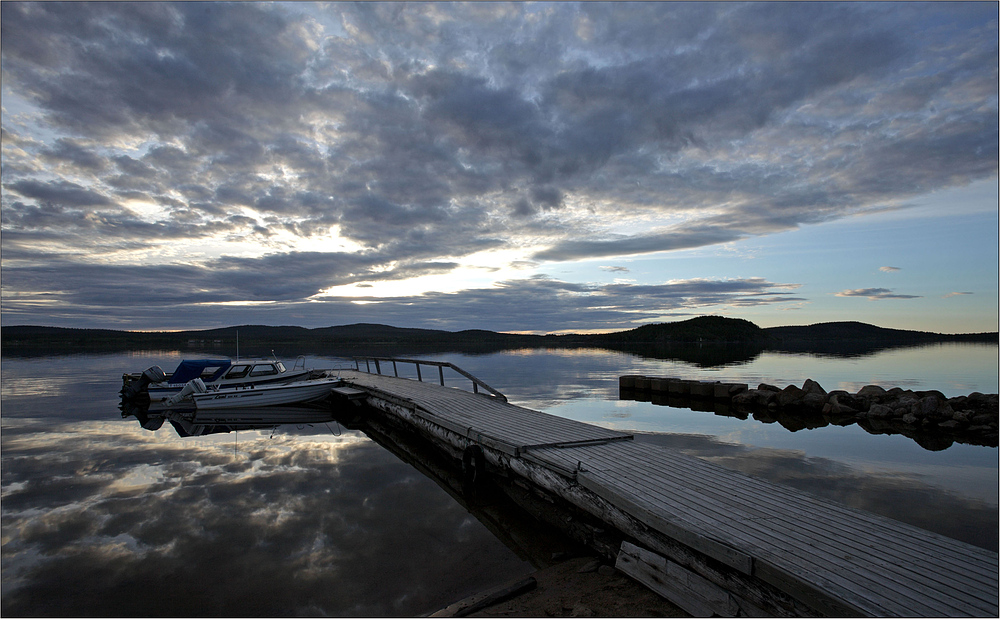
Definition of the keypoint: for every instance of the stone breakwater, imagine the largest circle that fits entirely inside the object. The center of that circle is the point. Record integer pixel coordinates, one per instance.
(968, 419)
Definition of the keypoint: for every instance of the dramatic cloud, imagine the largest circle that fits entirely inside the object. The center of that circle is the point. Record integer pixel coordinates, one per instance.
(268, 152)
(162, 296)
(889, 269)
(875, 294)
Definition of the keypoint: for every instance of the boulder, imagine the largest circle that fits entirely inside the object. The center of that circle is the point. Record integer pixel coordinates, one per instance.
(766, 396)
(909, 418)
(983, 419)
(766, 387)
(790, 396)
(910, 403)
(814, 401)
(984, 403)
(880, 411)
(811, 386)
(935, 407)
(679, 387)
(843, 404)
(627, 381)
(959, 403)
(702, 389)
(872, 393)
(659, 384)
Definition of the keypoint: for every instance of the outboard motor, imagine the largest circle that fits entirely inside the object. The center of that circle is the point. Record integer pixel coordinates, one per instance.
(152, 375)
(193, 386)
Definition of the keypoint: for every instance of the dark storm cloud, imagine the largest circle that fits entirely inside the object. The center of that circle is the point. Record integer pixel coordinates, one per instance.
(428, 132)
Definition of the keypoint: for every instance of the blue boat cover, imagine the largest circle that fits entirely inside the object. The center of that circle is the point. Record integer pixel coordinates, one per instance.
(190, 369)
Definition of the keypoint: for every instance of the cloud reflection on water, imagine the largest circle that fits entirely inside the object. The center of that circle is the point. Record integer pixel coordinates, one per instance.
(103, 517)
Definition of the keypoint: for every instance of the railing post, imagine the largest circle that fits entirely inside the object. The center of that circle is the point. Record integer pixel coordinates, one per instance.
(377, 367)
(395, 372)
(475, 387)
(418, 372)
(368, 365)
(441, 374)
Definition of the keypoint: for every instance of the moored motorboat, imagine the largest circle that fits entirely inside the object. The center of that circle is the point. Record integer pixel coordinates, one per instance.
(214, 373)
(294, 392)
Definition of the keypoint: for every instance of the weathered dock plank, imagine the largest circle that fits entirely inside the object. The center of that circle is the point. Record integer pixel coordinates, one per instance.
(830, 557)
(715, 503)
(519, 427)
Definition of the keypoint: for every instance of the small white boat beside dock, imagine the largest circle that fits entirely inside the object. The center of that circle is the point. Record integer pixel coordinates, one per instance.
(254, 396)
(220, 373)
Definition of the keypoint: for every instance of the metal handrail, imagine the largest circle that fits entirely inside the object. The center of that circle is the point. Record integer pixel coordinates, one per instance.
(441, 365)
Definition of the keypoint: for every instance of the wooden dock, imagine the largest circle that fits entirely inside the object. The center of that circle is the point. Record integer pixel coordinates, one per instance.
(712, 540)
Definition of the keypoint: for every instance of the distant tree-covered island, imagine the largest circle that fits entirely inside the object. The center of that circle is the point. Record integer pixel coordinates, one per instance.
(706, 339)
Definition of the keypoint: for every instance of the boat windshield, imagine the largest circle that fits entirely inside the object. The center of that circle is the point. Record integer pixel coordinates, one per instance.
(263, 369)
(238, 371)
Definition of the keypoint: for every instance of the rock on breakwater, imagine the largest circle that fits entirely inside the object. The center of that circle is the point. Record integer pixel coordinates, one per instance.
(929, 417)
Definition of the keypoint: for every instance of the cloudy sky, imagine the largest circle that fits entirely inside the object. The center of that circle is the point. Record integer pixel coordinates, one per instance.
(514, 167)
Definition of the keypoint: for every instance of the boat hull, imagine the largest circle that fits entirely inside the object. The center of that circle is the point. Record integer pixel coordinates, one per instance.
(159, 391)
(266, 395)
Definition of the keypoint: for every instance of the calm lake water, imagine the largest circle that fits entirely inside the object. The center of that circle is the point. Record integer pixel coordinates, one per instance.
(102, 517)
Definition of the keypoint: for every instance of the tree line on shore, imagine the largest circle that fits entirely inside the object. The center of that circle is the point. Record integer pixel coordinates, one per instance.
(706, 339)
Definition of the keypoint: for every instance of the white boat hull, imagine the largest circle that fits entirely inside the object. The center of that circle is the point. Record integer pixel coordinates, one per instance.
(265, 395)
(158, 391)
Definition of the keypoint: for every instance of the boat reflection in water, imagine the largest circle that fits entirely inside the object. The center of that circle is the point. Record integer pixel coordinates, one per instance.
(151, 416)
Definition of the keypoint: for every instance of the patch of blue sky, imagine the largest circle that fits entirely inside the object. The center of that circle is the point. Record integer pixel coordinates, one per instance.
(943, 250)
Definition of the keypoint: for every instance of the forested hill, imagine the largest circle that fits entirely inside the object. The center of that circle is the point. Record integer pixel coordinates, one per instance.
(364, 338)
(702, 329)
(859, 331)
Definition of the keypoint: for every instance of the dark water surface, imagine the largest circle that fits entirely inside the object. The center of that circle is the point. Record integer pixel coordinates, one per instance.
(101, 517)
